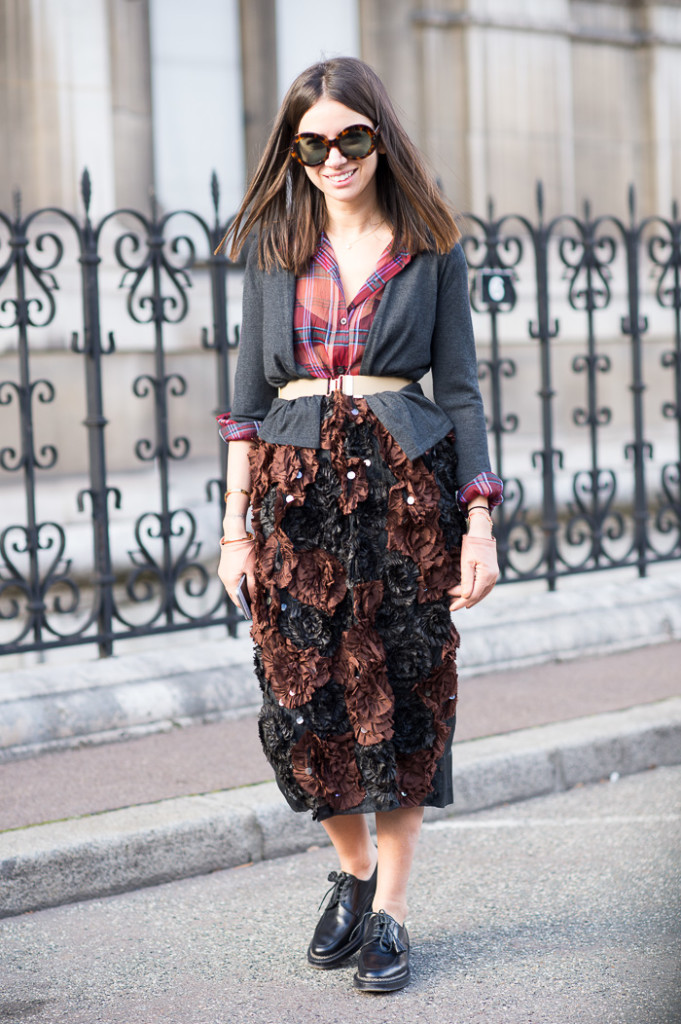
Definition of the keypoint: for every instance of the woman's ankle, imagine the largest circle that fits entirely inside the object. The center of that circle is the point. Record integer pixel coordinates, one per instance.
(361, 867)
(396, 910)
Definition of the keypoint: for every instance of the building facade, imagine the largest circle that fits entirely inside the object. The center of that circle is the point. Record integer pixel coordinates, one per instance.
(155, 94)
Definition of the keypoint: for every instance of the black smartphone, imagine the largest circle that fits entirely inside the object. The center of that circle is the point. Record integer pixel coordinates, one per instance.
(244, 598)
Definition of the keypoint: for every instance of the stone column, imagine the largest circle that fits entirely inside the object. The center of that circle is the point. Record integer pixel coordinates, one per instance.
(664, 78)
(131, 101)
(258, 74)
(56, 101)
(197, 102)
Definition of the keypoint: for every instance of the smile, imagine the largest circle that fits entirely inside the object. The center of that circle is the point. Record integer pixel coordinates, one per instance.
(341, 177)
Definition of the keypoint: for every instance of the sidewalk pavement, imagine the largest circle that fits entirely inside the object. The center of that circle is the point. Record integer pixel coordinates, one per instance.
(565, 909)
(92, 820)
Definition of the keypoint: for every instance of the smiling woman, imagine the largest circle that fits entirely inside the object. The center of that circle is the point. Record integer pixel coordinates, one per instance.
(355, 287)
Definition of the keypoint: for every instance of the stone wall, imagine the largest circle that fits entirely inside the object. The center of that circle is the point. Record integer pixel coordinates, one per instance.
(584, 95)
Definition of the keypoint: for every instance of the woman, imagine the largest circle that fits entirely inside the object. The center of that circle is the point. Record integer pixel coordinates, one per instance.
(354, 288)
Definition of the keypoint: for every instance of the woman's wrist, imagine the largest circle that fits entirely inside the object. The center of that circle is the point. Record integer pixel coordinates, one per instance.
(479, 521)
(234, 526)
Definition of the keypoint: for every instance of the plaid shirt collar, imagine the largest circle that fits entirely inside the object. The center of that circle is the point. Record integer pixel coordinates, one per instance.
(386, 268)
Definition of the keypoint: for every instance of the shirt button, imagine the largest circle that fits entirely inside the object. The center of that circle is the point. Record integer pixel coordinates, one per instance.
(411, 499)
(343, 319)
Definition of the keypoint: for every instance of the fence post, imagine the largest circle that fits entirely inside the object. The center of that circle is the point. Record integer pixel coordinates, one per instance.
(635, 326)
(543, 331)
(95, 422)
(220, 343)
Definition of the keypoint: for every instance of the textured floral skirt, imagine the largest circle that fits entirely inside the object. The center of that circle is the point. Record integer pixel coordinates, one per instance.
(355, 653)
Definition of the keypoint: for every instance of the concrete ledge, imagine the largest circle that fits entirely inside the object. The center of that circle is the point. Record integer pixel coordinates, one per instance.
(512, 628)
(53, 707)
(117, 851)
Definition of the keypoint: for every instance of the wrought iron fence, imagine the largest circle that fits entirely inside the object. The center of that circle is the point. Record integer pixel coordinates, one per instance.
(154, 572)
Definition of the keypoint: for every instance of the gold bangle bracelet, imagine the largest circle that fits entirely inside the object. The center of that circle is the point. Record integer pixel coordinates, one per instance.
(237, 540)
(237, 490)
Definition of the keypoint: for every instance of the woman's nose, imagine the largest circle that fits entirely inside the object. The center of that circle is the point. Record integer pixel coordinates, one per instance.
(335, 158)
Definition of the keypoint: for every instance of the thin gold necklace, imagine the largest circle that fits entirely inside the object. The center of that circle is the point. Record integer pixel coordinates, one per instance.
(366, 234)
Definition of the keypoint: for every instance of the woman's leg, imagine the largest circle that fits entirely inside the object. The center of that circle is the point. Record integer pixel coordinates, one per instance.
(397, 834)
(352, 841)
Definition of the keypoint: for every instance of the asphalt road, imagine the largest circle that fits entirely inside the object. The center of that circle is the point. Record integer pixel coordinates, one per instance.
(560, 910)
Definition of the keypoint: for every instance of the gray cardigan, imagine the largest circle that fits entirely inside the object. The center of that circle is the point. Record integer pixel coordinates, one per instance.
(423, 322)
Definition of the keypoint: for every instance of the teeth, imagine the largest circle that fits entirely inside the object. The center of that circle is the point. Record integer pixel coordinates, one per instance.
(341, 177)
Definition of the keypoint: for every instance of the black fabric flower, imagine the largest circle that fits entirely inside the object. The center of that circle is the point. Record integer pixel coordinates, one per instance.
(444, 468)
(326, 711)
(305, 626)
(400, 577)
(434, 622)
(413, 725)
(266, 515)
(379, 771)
(410, 661)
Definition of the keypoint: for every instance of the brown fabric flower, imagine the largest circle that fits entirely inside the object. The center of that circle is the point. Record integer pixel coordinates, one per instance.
(260, 457)
(393, 454)
(367, 598)
(317, 578)
(360, 663)
(293, 469)
(415, 771)
(439, 691)
(275, 560)
(327, 769)
(265, 606)
(293, 673)
(438, 576)
(354, 485)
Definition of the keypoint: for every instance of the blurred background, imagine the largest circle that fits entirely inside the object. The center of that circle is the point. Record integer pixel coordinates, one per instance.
(118, 334)
(582, 94)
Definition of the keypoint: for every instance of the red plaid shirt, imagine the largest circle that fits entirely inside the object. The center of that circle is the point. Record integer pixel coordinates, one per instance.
(329, 337)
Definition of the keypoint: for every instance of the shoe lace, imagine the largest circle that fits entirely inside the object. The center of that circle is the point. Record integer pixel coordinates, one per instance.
(341, 881)
(384, 931)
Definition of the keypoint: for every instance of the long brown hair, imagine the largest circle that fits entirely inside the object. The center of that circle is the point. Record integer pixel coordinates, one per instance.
(289, 211)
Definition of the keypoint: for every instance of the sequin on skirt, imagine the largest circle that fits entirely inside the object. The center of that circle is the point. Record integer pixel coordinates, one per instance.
(355, 652)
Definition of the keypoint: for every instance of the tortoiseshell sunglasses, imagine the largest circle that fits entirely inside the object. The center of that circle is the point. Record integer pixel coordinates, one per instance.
(355, 143)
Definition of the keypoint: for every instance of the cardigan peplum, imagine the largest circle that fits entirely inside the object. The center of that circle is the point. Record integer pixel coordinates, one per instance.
(423, 323)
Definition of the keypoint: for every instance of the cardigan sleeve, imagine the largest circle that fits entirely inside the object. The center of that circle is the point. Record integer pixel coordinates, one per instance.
(455, 368)
(253, 395)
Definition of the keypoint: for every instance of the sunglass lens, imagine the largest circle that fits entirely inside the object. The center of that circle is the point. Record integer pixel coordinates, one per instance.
(356, 144)
(312, 150)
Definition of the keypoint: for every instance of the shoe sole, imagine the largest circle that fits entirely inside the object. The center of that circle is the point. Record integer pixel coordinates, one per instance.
(389, 985)
(336, 960)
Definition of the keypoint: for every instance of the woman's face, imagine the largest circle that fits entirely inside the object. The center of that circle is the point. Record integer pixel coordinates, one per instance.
(340, 179)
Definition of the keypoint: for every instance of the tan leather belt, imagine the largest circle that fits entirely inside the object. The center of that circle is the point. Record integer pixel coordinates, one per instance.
(356, 385)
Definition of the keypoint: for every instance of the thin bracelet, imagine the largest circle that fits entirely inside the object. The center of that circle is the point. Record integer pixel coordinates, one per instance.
(235, 515)
(237, 540)
(483, 507)
(237, 490)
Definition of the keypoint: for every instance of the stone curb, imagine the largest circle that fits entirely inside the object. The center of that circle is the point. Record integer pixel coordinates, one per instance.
(54, 707)
(118, 851)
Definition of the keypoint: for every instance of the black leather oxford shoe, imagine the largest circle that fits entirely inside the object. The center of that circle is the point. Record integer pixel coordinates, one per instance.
(339, 930)
(383, 964)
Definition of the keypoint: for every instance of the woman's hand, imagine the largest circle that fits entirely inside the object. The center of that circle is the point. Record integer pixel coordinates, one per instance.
(479, 571)
(236, 558)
